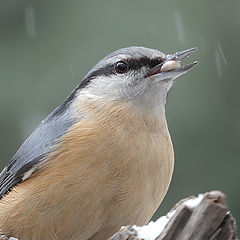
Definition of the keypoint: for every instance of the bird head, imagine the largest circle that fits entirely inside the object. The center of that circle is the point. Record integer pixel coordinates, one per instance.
(136, 74)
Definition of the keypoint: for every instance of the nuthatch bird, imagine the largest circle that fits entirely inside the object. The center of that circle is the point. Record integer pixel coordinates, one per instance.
(102, 159)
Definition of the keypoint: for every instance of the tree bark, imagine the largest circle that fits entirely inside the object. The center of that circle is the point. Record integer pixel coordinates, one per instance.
(205, 217)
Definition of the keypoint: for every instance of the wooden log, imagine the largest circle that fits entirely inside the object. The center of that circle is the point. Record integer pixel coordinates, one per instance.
(176, 223)
(125, 233)
(205, 217)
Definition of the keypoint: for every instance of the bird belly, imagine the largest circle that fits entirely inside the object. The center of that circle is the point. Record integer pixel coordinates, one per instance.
(93, 183)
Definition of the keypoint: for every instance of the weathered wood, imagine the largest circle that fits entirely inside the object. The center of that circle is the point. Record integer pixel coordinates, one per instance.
(227, 230)
(176, 223)
(125, 233)
(204, 218)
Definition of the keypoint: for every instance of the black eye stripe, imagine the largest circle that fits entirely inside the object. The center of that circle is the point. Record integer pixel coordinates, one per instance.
(144, 61)
(133, 64)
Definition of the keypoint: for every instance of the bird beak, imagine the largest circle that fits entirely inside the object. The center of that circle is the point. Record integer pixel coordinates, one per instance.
(171, 67)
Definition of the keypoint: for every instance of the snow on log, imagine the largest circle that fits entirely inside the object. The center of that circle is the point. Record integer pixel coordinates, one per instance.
(205, 217)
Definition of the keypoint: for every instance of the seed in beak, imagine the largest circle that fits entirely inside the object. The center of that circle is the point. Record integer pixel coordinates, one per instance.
(170, 65)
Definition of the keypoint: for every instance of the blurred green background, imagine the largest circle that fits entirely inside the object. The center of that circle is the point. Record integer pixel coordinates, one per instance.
(47, 46)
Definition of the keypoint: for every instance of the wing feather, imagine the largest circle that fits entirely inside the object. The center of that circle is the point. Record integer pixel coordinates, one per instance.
(36, 147)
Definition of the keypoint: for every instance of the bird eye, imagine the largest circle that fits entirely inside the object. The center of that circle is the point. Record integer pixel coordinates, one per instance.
(121, 67)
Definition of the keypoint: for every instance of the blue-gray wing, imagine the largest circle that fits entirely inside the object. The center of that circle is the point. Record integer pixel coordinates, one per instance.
(37, 146)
